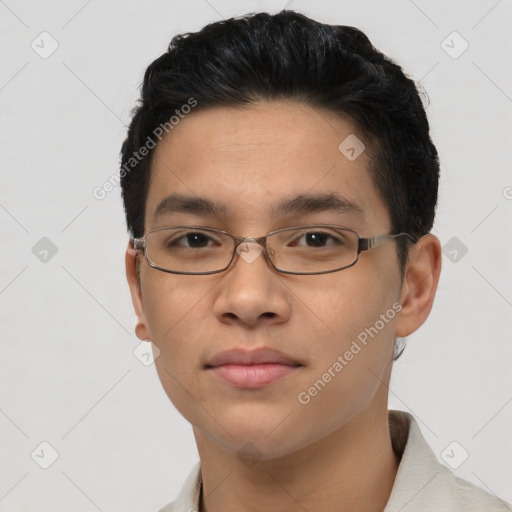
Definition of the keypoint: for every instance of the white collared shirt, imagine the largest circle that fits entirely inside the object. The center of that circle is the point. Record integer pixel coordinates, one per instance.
(422, 484)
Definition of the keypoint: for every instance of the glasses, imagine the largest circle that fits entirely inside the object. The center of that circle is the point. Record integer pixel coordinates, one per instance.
(302, 250)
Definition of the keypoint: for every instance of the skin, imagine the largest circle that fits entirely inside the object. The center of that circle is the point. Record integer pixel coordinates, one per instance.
(249, 158)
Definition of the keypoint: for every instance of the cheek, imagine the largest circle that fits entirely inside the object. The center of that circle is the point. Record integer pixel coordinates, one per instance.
(347, 303)
(356, 333)
(354, 354)
(172, 304)
(175, 308)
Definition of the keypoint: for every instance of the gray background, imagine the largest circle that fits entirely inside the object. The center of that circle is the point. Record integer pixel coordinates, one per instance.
(68, 373)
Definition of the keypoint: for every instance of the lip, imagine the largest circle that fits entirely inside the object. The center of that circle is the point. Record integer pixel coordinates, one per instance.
(252, 369)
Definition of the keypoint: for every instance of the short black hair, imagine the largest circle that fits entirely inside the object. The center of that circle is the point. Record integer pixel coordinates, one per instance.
(287, 55)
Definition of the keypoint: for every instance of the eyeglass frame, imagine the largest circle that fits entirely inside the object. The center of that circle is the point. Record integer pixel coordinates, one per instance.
(363, 244)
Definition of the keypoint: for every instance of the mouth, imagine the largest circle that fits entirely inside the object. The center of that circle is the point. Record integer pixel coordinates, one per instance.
(252, 369)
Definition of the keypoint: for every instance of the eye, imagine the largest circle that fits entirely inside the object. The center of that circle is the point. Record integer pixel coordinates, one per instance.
(318, 239)
(192, 239)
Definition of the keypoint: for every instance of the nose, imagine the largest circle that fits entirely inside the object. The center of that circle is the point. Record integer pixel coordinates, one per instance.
(252, 291)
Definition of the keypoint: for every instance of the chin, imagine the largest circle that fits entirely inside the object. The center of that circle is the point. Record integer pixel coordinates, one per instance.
(255, 437)
(257, 446)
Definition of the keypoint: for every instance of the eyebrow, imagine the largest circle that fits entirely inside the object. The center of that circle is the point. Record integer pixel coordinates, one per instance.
(301, 204)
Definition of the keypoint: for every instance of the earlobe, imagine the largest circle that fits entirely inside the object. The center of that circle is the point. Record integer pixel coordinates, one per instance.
(420, 285)
(141, 329)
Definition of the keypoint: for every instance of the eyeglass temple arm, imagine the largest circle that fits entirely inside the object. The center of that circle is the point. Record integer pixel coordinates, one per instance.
(366, 244)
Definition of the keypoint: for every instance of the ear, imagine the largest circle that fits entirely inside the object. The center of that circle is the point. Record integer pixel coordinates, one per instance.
(141, 329)
(420, 285)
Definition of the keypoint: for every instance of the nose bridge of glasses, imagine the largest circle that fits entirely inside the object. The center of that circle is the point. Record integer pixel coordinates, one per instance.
(250, 248)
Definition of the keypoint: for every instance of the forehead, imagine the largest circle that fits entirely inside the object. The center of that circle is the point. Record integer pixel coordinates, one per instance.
(257, 164)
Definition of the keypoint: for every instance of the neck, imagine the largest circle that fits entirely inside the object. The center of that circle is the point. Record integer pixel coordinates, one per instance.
(353, 468)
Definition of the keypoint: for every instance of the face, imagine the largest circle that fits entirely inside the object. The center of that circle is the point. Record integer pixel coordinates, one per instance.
(247, 160)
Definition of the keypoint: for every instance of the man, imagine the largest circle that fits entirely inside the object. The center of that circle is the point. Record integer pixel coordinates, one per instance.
(280, 186)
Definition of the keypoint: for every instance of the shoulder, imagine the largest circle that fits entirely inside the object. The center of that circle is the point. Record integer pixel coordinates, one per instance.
(423, 484)
(463, 495)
